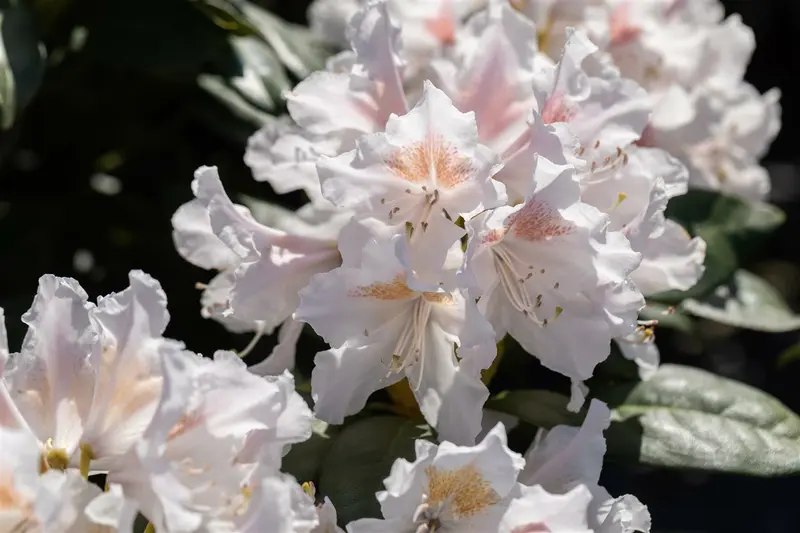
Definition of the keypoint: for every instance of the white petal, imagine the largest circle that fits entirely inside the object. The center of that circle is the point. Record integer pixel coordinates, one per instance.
(427, 159)
(51, 380)
(625, 514)
(282, 356)
(195, 240)
(567, 456)
(450, 398)
(131, 323)
(344, 377)
(537, 511)
(113, 510)
(673, 260)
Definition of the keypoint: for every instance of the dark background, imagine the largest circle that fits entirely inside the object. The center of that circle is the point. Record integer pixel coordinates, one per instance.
(128, 106)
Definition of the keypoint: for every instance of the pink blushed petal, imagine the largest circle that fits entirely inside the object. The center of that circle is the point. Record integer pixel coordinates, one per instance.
(556, 109)
(432, 157)
(537, 221)
(443, 26)
(622, 29)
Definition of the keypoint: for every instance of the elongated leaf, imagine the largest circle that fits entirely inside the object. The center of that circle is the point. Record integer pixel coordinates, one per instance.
(747, 301)
(360, 459)
(22, 60)
(688, 418)
(541, 408)
(295, 45)
(789, 356)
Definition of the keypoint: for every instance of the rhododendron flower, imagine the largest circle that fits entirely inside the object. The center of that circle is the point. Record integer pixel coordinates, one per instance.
(723, 139)
(549, 268)
(362, 99)
(53, 502)
(566, 457)
(471, 489)
(196, 242)
(429, 25)
(386, 319)
(427, 162)
(634, 195)
(273, 264)
(209, 459)
(496, 55)
(88, 377)
(603, 110)
(48, 384)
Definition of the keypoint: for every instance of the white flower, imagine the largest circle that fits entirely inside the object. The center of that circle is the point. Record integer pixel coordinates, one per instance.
(634, 195)
(429, 26)
(209, 460)
(551, 275)
(274, 264)
(566, 457)
(603, 110)
(448, 487)
(362, 99)
(386, 319)
(87, 379)
(470, 489)
(284, 155)
(427, 161)
(54, 502)
(496, 55)
(196, 242)
(721, 144)
(51, 381)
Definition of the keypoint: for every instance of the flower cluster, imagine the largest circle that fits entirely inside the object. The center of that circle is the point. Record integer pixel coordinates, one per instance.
(193, 444)
(458, 195)
(474, 169)
(685, 53)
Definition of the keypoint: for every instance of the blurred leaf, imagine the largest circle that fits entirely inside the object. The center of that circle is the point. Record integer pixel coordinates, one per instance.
(295, 45)
(667, 316)
(166, 37)
(541, 408)
(788, 356)
(688, 418)
(22, 60)
(747, 301)
(360, 459)
(305, 459)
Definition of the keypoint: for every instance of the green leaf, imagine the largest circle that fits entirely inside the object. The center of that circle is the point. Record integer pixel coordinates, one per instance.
(22, 60)
(304, 460)
(360, 459)
(789, 356)
(295, 46)
(688, 418)
(541, 408)
(747, 301)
